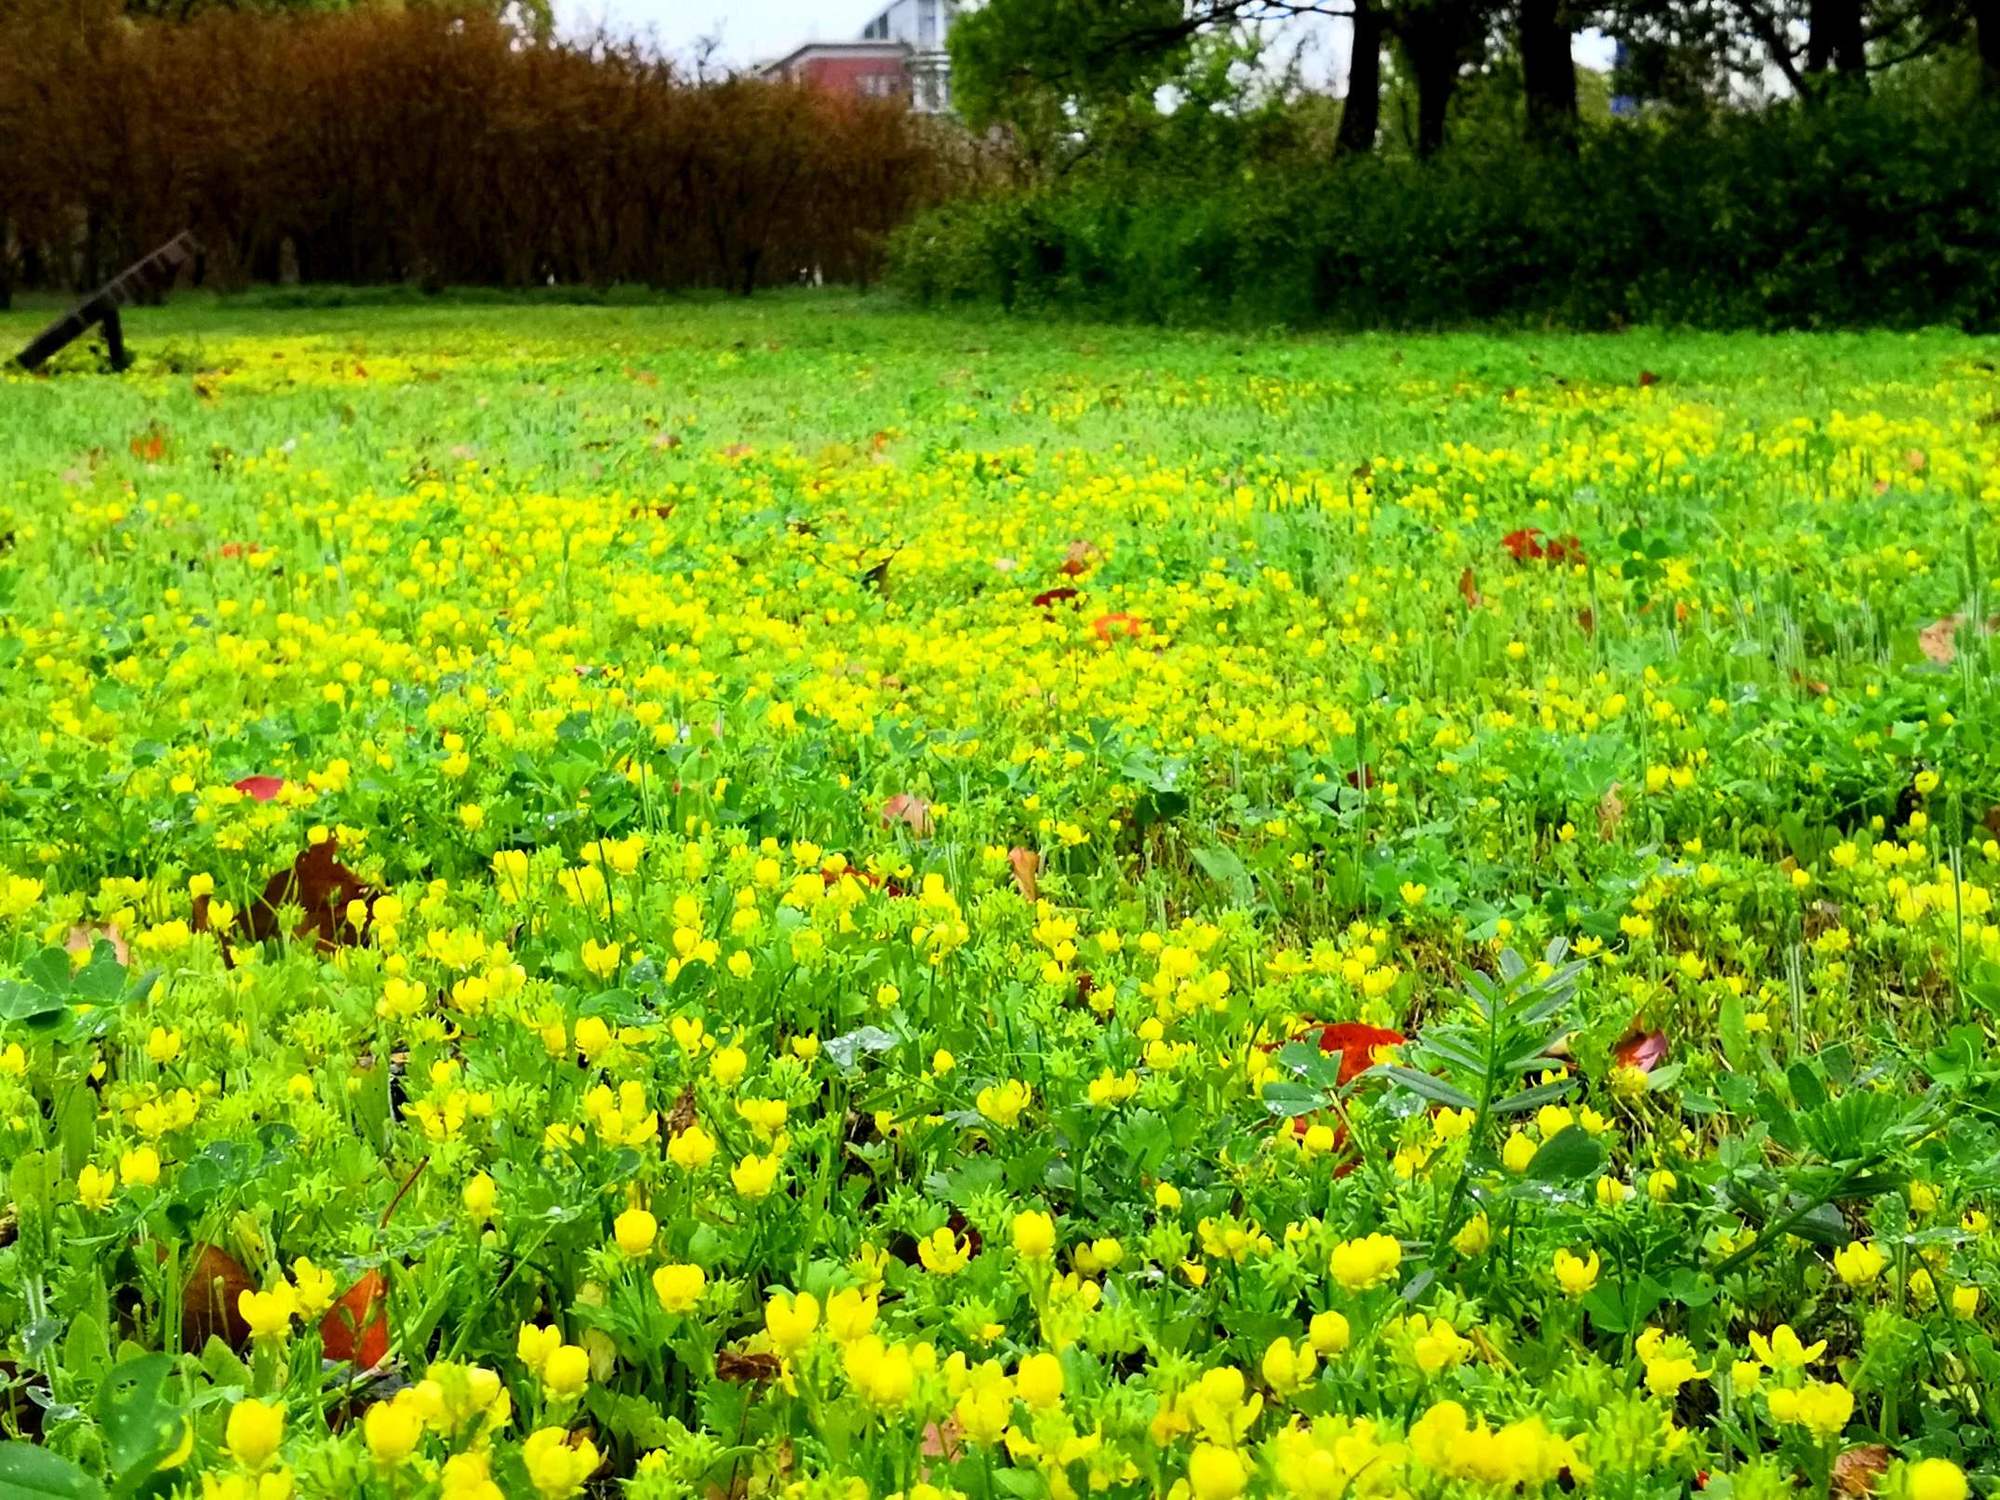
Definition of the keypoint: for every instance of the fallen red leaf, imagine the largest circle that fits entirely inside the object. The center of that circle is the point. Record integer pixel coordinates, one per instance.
(1048, 598)
(357, 1326)
(1646, 378)
(1565, 549)
(1586, 621)
(1356, 1042)
(322, 888)
(150, 446)
(1468, 590)
(260, 788)
(1523, 545)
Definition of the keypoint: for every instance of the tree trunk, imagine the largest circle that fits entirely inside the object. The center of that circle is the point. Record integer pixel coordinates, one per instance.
(1836, 41)
(1434, 54)
(1548, 74)
(1361, 111)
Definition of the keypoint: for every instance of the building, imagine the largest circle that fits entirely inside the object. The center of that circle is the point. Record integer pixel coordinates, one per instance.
(875, 70)
(901, 54)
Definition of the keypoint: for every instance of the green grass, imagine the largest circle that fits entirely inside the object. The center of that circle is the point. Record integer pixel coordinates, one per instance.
(675, 677)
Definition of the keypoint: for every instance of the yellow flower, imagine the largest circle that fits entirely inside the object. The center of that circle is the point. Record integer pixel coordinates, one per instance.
(1784, 1350)
(479, 1196)
(1003, 1103)
(140, 1168)
(1286, 1368)
(1216, 1473)
(1665, 1377)
(1034, 1235)
(1859, 1264)
(566, 1372)
(883, 1374)
(1935, 1479)
(1822, 1408)
(1367, 1262)
(269, 1314)
(679, 1287)
(95, 1186)
(468, 1476)
(393, 1429)
(727, 1065)
(692, 1149)
(943, 1253)
(635, 1230)
(1576, 1274)
(1517, 1153)
(1965, 1302)
(1475, 1237)
(315, 1288)
(850, 1314)
(601, 959)
(533, 1345)
(254, 1431)
(1328, 1333)
(1039, 1379)
(754, 1176)
(557, 1463)
(790, 1320)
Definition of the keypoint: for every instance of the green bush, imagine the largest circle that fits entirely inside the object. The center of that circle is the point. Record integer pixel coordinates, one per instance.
(1872, 212)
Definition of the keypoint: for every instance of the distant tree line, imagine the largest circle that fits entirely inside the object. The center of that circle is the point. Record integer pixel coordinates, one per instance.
(433, 145)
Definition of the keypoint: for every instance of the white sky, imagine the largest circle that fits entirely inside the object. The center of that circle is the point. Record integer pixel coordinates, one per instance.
(760, 30)
(751, 30)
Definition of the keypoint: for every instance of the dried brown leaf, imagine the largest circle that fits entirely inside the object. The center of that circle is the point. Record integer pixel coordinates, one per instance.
(1856, 1471)
(912, 812)
(1610, 811)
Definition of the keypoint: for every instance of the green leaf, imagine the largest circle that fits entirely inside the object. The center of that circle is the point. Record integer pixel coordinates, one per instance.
(29, 1005)
(142, 1422)
(1571, 1155)
(1289, 1099)
(30, 1472)
(1226, 868)
(1434, 1089)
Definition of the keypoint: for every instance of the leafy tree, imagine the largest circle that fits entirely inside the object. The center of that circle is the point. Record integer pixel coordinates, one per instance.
(1036, 62)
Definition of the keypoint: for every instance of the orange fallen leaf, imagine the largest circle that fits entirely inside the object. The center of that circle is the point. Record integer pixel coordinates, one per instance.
(1027, 866)
(150, 446)
(1468, 589)
(1120, 623)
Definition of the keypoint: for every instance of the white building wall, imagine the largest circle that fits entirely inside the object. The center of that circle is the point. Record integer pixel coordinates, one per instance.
(925, 27)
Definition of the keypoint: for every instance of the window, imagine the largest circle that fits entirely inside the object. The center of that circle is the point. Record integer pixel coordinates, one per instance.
(927, 23)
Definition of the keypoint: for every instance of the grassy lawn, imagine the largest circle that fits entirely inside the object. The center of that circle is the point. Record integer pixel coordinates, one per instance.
(791, 893)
